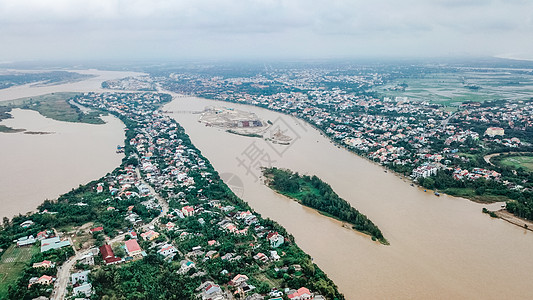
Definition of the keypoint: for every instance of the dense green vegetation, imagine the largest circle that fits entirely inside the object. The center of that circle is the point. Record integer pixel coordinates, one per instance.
(315, 193)
(519, 203)
(149, 278)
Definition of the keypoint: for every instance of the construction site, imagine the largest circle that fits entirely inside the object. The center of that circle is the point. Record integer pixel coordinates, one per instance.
(234, 121)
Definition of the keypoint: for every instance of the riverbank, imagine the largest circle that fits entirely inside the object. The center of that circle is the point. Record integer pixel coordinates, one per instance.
(509, 217)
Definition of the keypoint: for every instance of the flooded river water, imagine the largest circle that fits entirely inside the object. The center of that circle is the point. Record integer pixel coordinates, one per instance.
(440, 247)
(35, 167)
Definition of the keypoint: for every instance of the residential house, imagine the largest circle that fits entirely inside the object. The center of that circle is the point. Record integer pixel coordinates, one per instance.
(275, 239)
(424, 171)
(187, 211)
(84, 289)
(44, 264)
(254, 297)
(108, 256)
(239, 279)
(53, 243)
(44, 280)
(26, 224)
(133, 234)
(210, 291)
(261, 256)
(274, 255)
(301, 294)
(26, 240)
(87, 259)
(42, 235)
(80, 277)
(133, 249)
(149, 235)
(167, 250)
(97, 229)
(186, 265)
(170, 225)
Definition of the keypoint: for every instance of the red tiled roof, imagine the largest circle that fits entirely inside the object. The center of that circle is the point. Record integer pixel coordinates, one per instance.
(100, 228)
(301, 291)
(271, 234)
(132, 246)
(106, 251)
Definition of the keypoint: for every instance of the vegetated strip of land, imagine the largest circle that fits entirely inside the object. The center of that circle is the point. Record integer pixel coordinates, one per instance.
(315, 193)
(56, 106)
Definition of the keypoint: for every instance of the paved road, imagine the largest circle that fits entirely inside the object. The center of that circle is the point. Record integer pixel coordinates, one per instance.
(63, 272)
(63, 276)
(162, 202)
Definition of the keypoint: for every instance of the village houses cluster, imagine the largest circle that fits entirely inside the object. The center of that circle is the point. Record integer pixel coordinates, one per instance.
(419, 135)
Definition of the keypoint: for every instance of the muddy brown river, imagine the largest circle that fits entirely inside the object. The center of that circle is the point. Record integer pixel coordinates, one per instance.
(440, 247)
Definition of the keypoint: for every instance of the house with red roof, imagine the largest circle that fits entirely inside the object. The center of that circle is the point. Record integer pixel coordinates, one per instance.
(133, 249)
(44, 264)
(239, 279)
(108, 256)
(167, 250)
(275, 239)
(149, 235)
(261, 256)
(42, 235)
(187, 211)
(97, 229)
(301, 294)
(210, 290)
(133, 234)
(170, 225)
(44, 280)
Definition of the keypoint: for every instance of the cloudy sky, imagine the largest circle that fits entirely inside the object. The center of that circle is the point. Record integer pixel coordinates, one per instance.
(218, 29)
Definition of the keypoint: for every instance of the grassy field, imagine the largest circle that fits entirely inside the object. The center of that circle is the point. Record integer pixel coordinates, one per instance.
(516, 162)
(11, 265)
(452, 88)
(55, 106)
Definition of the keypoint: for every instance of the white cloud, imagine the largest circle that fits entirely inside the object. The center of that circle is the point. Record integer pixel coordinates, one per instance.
(297, 28)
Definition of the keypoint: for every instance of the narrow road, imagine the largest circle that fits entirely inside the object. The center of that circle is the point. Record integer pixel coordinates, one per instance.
(63, 276)
(162, 202)
(63, 272)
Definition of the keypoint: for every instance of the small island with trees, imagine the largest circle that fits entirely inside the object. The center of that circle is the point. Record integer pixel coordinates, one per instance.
(315, 193)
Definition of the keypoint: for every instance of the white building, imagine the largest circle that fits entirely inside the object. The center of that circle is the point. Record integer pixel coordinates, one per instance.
(80, 277)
